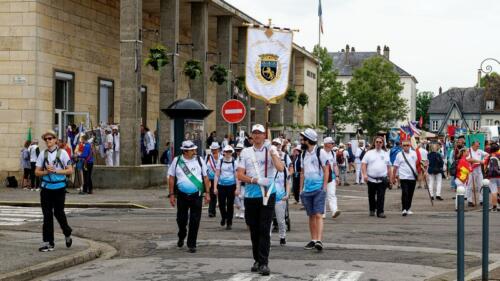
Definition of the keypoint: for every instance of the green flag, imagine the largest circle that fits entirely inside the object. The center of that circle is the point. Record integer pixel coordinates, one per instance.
(28, 137)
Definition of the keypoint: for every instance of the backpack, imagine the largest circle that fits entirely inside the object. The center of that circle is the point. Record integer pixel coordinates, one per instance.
(11, 182)
(222, 160)
(57, 161)
(493, 169)
(340, 157)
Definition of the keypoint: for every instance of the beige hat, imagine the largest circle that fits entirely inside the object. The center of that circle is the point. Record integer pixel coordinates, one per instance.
(49, 132)
(278, 141)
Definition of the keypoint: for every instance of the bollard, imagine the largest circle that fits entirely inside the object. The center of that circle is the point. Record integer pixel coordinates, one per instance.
(486, 225)
(460, 233)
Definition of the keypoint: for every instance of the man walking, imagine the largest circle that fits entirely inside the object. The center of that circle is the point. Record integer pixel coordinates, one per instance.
(257, 169)
(53, 165)
(376, 169)
(405, 166)
(314, 178)
(108, 147)
(188, 174)
(476, 158)
(360, 152)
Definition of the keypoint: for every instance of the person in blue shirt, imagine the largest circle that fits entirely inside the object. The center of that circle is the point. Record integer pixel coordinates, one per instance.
(53, 165)
(212, 161)
(225, 184)
(87, 157)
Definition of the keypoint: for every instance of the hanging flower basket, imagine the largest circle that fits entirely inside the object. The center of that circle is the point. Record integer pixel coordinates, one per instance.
(219, 74)
(303, 99)
(291, 95)
(157, 57)
(192, 69)
(240, 83)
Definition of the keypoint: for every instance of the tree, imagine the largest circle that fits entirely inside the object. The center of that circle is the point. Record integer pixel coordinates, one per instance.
(373, 98)
(486, 78)
(331, 91)
(423, 103)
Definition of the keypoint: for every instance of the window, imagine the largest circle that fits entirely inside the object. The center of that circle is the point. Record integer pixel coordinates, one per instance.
(489, 122)
(64, 97)
(144, 106)
(475, 125)
(490, 105)
(454, 122)
(435, 125)
(311, 74)
(106, 101)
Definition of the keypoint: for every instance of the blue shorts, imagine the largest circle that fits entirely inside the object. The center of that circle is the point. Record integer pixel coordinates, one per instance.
(314, 201)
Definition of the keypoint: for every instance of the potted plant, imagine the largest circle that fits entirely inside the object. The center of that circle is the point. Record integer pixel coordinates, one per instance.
(219, 74)
(291, 95)
(192, 69)
(303, 99)
(157, 57)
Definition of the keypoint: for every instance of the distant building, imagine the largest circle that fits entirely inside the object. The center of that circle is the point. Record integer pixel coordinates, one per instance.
(348, 60)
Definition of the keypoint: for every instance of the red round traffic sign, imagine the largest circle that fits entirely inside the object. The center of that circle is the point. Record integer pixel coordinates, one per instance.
(233, 111)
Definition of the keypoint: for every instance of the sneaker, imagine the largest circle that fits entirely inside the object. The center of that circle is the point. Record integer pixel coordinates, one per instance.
(264, 270)
(318, 246)
(323, 216)
(211, 215)
(336, 214)
(419, 186)
(229, 227)
(69, 241)
(255, 267)
(310, 245)
(346, 184)
(46, 247)
(410, 212)
(381, 215)
(180, 243)
(372, 213)
(439, 198)
(404, 213)
(433, 198)
(282, 241)
(192, 250)
(222, 222)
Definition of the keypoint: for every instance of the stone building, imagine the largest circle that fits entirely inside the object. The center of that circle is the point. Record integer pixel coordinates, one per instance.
(62, 56)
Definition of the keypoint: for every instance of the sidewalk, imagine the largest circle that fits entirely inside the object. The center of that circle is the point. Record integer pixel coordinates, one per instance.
(30, 263)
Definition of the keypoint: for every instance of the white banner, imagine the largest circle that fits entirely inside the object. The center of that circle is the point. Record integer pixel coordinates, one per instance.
(268, 63)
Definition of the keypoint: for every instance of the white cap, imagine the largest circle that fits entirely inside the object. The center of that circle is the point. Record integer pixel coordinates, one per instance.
(310, 134)
(258, 127)
(297, 147)
(188, 145)
(328, 140)
(240, 146)
(335, 148)
(228, 148)
(278, 141)
(214, 145)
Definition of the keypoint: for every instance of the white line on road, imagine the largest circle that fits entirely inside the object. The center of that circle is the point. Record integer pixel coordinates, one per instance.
(338, 275)
(249, 277)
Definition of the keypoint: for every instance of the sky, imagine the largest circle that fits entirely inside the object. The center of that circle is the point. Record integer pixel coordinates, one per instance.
(440, 42)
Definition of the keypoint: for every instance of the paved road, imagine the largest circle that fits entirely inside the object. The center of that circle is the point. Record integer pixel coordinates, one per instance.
(11, 216)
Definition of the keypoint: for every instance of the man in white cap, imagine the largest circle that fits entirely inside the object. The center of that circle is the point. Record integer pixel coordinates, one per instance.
(108, 147)
(314, 178)
(53, 165)
(331, 188)
(212, 161)
(257, 169)
(188, 174)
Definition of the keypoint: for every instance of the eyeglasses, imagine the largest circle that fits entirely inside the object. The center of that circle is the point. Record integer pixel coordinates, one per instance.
(406, 145)
(379, 142)
(48, 139)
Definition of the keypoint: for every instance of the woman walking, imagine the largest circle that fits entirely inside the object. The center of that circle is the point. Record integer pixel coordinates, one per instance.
(435, 170)
(225, 186)
(405, 167)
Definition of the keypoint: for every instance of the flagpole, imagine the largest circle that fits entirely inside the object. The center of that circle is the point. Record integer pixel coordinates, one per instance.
(319, 62)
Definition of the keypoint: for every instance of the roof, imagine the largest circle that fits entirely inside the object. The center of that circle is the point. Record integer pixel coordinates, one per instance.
(468, 100)
(356, 60)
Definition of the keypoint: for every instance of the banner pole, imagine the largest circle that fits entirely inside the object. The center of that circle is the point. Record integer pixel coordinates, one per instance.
(268, 107)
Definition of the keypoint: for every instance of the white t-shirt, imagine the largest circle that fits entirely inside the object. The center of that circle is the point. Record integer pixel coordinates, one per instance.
(32, 149)
(226, 172)
(246, 162)
(183, 183)
(476, 155)
(357, 155)
(376, 164)
(423, 153)
(54, 181)
(404, 170)
(313, 171)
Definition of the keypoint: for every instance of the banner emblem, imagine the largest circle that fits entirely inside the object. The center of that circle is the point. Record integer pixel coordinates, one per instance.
(269, 68)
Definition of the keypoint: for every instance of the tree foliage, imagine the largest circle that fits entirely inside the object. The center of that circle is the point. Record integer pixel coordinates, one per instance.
(483, 83)
(373, 96)
(423, 103)
(331, 91)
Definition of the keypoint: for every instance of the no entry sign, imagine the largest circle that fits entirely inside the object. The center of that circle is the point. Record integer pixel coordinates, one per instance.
(233, 111)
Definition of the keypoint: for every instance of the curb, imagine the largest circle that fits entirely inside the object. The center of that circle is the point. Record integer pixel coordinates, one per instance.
(96, 250)
(76, 205)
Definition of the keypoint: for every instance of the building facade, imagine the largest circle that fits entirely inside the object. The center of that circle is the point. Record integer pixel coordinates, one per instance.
(71, 61)
(348, 60)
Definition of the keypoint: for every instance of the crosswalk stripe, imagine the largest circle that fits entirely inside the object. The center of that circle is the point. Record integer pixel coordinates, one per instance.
(338, 275)
(249, 277)
(10, 216)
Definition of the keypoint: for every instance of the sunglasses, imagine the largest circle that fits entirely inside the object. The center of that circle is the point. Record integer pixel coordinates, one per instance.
(48, 139)
(379, 142)
(406, 145)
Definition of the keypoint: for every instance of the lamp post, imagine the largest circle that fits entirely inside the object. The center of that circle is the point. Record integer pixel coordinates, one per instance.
(485, 67)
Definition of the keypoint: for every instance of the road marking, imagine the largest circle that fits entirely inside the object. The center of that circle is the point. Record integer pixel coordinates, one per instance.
(249, 277)
(10, 216)
(338, 275)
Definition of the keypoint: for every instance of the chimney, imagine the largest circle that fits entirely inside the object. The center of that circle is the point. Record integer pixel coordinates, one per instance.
(346, 62)
(386, 52)
(379, 50)
(353, 50)
(440, 90)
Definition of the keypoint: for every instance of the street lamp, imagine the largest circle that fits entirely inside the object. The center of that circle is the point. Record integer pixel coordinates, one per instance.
(485, 67)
